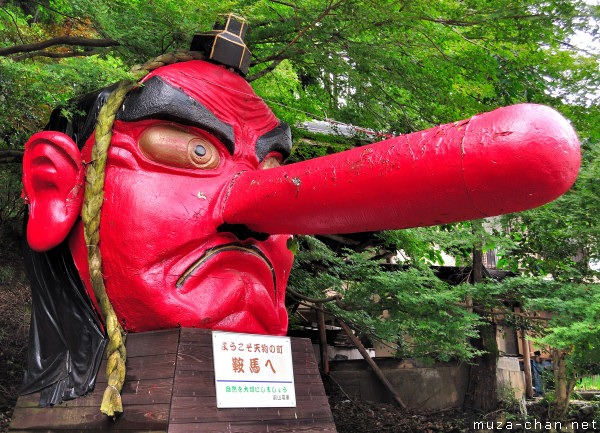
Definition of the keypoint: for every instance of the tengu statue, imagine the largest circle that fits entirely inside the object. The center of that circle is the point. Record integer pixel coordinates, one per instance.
(194, 208)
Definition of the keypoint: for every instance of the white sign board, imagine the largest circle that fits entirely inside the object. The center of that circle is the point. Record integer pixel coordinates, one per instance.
(253, 370)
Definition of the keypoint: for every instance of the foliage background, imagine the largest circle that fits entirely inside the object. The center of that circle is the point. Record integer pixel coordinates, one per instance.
(383, 65)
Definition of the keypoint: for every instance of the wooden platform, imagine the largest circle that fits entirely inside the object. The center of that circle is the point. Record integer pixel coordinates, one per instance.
(170, 387)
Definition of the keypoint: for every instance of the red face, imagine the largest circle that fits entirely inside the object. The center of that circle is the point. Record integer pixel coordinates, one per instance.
(168, 260)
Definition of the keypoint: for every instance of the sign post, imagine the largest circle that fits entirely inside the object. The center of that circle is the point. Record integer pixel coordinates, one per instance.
(253, 370)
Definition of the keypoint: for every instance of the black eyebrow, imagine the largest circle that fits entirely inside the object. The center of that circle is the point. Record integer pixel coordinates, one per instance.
(278, 139)
(157, 99)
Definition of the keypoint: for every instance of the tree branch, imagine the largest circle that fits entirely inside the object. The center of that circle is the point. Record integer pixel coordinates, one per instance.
(265, 71)
(284, 4)
(310, 302)
(52, 55)
(435, 46)
(72, 17)
(10, 156)
(326, 12)
(342, 240)
(278, 58)
(464, 23)
(471, 41)
(15, 23)
(314, 300)
(60, 40)
(571, 46)
(384, 380)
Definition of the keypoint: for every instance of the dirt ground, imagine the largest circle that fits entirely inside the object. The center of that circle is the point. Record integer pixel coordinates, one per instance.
(350, 415)
(360, 416)
(15, 305)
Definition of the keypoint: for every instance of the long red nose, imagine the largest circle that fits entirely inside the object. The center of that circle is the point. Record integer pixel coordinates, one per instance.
(508, 160)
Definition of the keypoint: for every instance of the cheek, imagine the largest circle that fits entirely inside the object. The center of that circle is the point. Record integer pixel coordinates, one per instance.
(150, 216)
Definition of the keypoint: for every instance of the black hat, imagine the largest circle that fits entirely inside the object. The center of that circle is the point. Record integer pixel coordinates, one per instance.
(224, 44)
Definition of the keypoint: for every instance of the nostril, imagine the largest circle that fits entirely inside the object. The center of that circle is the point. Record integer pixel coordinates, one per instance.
(242, 232)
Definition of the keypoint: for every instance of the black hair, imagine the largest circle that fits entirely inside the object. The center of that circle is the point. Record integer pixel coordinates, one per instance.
(78, 118)
(66, 338)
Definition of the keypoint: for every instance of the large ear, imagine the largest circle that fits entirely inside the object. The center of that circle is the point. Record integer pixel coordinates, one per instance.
(53, 177)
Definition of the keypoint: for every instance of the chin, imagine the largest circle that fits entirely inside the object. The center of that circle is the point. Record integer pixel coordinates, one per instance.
(246, 322)
(242, 321)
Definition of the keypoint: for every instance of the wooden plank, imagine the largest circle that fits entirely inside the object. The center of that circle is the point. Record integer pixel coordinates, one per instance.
(201, 414)
(195, 336)
(146, 393)
(153, 417)
(194, 357)
(142, 392)
(146, 367)
(278, 426)
(53, 430)
(303, 345)
(152, 343)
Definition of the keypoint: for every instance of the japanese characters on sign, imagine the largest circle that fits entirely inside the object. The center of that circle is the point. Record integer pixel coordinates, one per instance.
(253, 370)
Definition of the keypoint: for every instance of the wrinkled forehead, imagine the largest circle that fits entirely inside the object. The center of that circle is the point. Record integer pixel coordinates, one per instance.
(207, 96)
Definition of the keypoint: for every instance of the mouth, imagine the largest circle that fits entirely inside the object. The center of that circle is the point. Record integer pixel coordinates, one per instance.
(234, 246)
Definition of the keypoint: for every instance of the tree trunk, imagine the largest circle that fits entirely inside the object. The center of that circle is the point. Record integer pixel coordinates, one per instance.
(477, 271)
(527, 365)
(323, 341)
(482, 389)
(563, 387)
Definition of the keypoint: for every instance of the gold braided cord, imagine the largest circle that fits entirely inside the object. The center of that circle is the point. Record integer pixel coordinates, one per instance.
(166, 59)
(94, 196)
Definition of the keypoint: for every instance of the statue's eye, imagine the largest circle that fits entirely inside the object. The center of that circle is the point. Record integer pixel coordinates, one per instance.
(170, 145)
(202, 153)
(200, 150)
